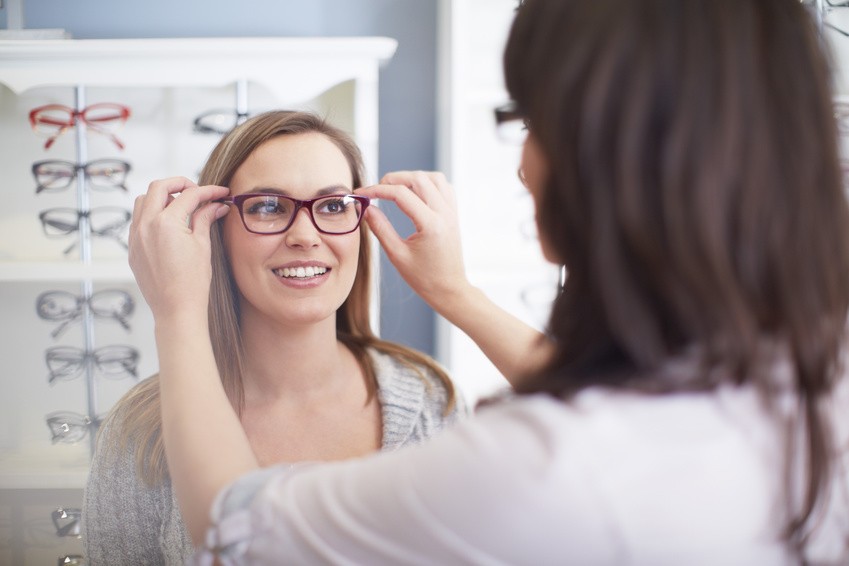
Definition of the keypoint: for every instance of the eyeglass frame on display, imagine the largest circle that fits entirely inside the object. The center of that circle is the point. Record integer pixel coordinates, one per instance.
(201, 128)
(70, 420)
(74, 361)
(36, 118)
(69, 316)
(66, 228)
(73, 168)
(72, 528)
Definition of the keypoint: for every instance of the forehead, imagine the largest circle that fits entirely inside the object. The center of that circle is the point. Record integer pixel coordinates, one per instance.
(297, 164)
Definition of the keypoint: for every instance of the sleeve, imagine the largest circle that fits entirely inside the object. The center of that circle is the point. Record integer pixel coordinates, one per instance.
(121, 516)
(423, 504)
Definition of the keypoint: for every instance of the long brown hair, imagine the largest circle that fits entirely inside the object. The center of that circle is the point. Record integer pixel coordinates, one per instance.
(694, 194)
(139, 409)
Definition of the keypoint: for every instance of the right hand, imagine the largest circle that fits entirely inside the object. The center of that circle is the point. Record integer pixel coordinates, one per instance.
(431, 259)
(169, 244)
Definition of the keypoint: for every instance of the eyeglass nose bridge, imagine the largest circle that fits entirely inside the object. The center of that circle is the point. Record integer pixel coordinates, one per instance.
(307, 206)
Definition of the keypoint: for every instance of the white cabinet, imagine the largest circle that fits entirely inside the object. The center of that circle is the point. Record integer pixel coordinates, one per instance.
(496, 213)
(166, 83)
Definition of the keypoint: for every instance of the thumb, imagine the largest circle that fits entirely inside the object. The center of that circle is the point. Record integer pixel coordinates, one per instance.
(204, 216)
(385, 233)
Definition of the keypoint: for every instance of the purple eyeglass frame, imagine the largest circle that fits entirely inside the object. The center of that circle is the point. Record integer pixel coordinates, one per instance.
(238, 200)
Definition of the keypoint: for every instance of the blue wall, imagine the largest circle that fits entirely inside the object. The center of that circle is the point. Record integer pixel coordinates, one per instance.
(407, 83)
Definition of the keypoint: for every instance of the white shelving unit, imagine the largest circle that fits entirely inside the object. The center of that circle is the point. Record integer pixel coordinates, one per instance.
(165, 83)
(496, 213)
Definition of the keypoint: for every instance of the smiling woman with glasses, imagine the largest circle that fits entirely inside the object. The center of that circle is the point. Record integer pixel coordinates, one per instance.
(284, 300)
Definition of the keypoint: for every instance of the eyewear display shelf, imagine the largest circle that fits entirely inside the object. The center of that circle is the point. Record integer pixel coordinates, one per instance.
(504, 257)
(166, 84)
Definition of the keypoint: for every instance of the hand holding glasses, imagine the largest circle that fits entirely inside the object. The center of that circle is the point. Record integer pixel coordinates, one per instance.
(272, 213)
(101, 174)
(53, 120)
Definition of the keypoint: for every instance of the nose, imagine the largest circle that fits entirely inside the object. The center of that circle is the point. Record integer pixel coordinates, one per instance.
(302, 233)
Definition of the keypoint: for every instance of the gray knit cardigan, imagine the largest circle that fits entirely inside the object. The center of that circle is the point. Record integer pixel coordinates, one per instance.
(126, 523)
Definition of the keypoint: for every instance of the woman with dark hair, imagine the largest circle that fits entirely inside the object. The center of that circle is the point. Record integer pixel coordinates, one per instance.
(684, 405)
(287, 301)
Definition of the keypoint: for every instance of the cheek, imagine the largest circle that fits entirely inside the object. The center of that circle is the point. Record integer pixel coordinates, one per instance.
(348, 252)
(535, 173)
(533, 167)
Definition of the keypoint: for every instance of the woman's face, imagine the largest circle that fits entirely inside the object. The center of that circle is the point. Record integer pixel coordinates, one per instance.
(300, 276)
(535, 176)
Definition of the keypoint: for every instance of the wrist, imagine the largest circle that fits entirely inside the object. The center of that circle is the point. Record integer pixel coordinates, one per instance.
(456, 302)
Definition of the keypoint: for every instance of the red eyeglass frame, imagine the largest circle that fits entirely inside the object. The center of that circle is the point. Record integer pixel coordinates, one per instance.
(37, 117)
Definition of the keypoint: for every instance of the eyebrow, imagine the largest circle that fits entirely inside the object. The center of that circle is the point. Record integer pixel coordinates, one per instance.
(331, 190)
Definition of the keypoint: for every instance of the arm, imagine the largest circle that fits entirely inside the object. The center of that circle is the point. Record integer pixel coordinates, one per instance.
(169, 254)
(492, 489)
(431, 261)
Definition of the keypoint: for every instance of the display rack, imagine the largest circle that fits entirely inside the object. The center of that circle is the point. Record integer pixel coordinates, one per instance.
(169, 80)
(166, 82)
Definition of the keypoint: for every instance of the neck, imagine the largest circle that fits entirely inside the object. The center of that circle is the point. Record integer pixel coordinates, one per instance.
(292, 361)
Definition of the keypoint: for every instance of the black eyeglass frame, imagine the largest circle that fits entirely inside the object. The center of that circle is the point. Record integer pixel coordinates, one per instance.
(239, 200)
(507, 113)
(511, 123)
(72, 168)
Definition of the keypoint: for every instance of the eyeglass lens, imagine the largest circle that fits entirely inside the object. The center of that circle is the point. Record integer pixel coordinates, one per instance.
(114, 362)
(101, 174)
(272, 214)
(65, 307)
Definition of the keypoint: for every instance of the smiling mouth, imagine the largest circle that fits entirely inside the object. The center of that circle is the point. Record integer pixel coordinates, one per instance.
(300, 272)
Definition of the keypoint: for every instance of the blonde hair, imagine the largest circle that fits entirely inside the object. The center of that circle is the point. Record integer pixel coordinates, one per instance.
(139, 409)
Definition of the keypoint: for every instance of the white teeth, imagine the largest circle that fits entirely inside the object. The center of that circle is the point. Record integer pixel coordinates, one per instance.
(301, 272)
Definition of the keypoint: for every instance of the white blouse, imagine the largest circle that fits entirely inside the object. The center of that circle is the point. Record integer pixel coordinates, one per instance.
(608, 478)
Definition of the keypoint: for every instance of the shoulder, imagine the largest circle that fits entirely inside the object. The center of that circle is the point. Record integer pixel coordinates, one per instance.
(632, 465)
(414, 400)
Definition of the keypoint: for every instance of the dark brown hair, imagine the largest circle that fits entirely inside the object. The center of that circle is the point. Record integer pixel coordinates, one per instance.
(694, 195)
(140, 407)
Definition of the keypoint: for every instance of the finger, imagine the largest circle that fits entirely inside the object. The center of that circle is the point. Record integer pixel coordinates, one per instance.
(182, 207)
(409, 203)
(138, 206)
(385, 233)
(160, 192)
(417, 181)
(431, 186)
(206, 214)
(193, 197)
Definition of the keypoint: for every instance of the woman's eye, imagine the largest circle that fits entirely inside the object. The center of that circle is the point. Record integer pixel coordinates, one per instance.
(269, 206)
(333, 206)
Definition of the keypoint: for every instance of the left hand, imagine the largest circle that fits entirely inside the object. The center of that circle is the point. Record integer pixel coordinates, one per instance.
(431, 259)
